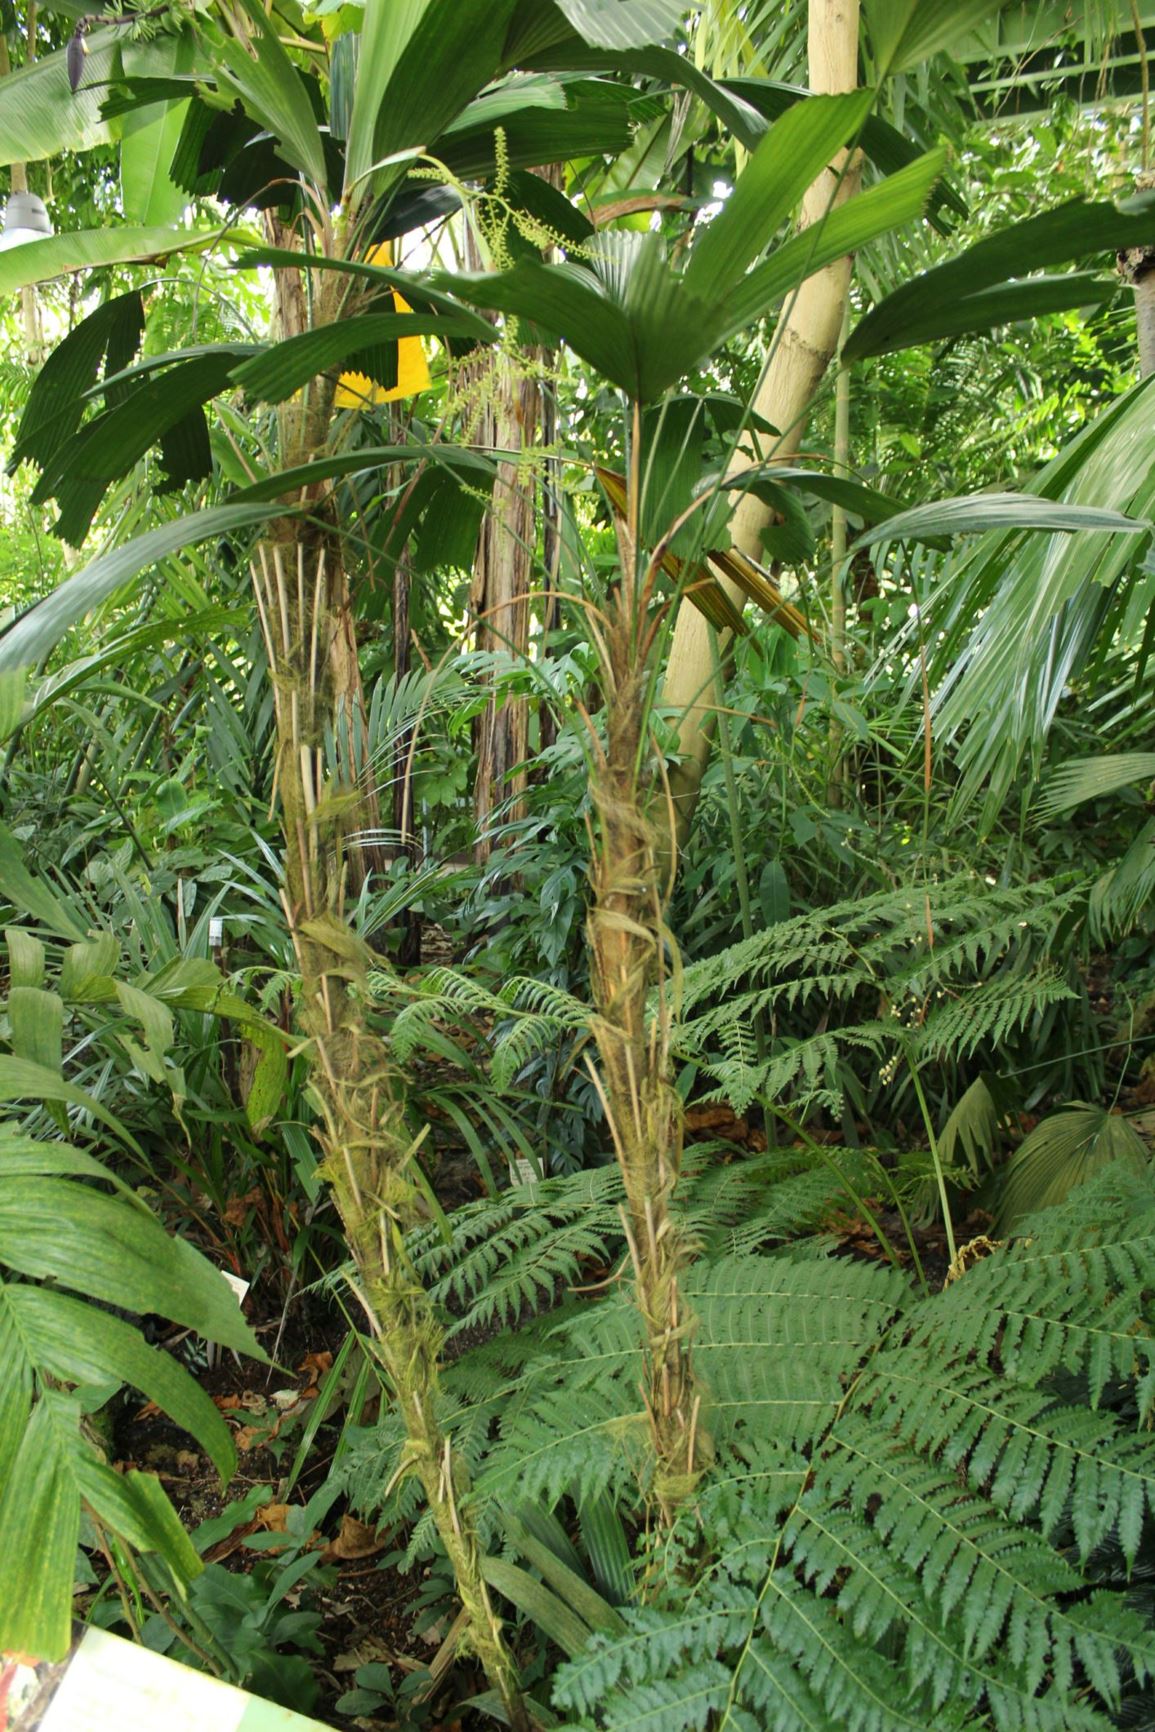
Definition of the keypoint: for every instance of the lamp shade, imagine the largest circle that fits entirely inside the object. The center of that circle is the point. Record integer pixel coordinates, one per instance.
(25, 219)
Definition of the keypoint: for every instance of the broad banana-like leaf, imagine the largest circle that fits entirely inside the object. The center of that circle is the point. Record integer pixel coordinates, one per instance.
(36, 632)
(148, 139)
(1083, 779)
(149, 195)
(935, 304)
(82, 250)
(40, 114)
(975, 513)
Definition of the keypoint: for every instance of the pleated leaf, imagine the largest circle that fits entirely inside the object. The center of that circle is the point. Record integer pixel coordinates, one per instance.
(53, 1229)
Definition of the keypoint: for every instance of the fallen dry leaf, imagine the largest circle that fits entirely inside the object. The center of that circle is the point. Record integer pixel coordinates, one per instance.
(237, 1208)
(317, 1365)
(354, 1540)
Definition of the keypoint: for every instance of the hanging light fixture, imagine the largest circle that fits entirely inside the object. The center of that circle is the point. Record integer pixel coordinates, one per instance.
(25, 219)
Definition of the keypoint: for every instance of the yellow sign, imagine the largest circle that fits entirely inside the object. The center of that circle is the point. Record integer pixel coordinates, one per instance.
(355, 391)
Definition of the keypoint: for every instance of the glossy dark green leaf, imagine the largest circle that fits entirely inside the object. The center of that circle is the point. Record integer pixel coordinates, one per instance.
(595, 120)
(107, 447)
(419, 64)
(422, 295)
(852, 496)
(480, 465)
(1006, 304)
(881, 143)
(899, 199)
(903, 33)
(288, 365)
(932, 303)
(789, 158)
(727, 102)
(56, 400)
(273, 92)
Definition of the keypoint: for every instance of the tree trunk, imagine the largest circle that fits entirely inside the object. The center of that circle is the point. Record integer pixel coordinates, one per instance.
(502, 578)
(1137, 267)
(804, 345)
(629, 945)
(303, 601)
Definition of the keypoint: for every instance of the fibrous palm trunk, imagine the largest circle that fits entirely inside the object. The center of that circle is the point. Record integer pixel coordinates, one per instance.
(302, 598)
(631, 957)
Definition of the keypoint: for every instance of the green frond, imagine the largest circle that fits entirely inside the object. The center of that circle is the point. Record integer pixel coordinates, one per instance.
(950, 968)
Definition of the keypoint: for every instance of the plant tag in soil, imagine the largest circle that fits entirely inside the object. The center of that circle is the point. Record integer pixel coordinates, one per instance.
(109, 1685)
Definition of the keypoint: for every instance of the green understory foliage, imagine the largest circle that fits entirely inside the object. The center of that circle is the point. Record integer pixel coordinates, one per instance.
(911, 1499)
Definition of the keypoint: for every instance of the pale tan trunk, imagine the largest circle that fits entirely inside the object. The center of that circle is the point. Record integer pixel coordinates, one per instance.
(502, 578)
(804, 345)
